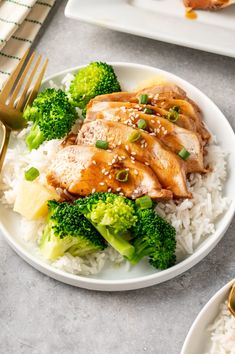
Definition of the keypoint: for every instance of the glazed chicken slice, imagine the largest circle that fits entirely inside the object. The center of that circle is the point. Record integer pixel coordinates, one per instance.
(81, 170)
(208, 4)
(168, 167)
(190, 116)
(173, 136)
(162, 98)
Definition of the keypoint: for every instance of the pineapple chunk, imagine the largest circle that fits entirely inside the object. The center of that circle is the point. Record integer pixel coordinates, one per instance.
(31, 200)
(157, 80)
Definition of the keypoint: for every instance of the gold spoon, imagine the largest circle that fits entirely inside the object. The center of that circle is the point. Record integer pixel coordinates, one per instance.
(231, 300)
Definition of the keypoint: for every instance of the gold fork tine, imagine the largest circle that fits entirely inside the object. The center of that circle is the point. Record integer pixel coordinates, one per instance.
(37, 85)
(10, 82)
(22, 98)
(21, 80)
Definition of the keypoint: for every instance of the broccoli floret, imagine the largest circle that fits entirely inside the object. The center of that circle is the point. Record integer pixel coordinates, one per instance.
(67, 230)
(112, 215)
(95, 79)
(53, 116)
(154, 237)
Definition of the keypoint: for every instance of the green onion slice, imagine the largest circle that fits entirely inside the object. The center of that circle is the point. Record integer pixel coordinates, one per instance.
(143, 99)
(173, 114)
(184, 154)
(144, 202)
(134, 136)
(102, 144)
(142, 124)
(31, 174)
(122, 176)
(148, 110)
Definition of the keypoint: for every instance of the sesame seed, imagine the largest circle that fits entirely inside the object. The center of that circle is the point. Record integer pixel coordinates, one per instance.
(146, 163)
(113, 160)
(118, 189)
(103, 170)
(127, 169)
(93, 190)
(123, 157)
(133, 153)
(145, 145)
(110, 177)
(127, 147)
(165, 132)
(101, 183)
(153, 134)
(109, 150)
(121, 193)
(158, 130)
(132, 158)
(133, 161)
(163, 129)
(94, 162)
(142, 141)
(136, 172)
(110, 190)
(106, 173)
(158, 121)
(152, 121)
(119, 143)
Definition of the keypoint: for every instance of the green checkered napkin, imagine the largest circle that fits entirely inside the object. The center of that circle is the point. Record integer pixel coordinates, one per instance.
(20, 21)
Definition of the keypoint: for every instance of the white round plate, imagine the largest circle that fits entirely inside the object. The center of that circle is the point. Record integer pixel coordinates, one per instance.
(142, 275)
(198, 338)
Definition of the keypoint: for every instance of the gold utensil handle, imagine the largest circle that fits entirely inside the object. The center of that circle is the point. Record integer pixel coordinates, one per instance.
(5, 140)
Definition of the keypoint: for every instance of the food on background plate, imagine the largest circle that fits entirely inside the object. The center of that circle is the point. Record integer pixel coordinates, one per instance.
(136, 174)
(208, 4)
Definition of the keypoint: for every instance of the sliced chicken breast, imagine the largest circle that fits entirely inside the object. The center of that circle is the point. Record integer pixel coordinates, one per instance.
(169, 168)
(162, 98)
(173, 136)
(81, 170)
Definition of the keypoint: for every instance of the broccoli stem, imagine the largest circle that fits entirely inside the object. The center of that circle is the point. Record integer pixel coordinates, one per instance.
(141, 250)
(116, 241)
(35, 137)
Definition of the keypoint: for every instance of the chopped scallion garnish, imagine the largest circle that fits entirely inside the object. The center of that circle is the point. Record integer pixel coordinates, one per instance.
(122, 176)
(148, 110)
(144, 202)
(102, 144)
(31, 174)
(184, 154)
(173, 114)
(134, 136)
(142, 124)
(143, 99)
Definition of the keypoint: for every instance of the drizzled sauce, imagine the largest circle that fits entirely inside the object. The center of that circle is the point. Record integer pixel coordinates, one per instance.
(190, 14)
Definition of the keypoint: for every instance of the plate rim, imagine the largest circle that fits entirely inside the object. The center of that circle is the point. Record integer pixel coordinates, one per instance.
(222, 291)
(137, 282)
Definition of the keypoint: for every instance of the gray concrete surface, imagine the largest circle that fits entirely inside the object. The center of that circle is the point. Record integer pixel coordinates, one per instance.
(39, 315)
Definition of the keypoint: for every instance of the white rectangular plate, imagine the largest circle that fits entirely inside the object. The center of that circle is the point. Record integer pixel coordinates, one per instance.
(162, 20)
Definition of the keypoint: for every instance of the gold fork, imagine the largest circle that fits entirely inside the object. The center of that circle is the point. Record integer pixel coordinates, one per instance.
(13, 103)
(231, 300)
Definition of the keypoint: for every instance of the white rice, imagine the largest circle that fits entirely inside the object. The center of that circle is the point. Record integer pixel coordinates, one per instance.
(194, 219)
(222, 332)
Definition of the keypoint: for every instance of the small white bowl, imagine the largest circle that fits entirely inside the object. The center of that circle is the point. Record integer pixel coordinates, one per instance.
(198, 338)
